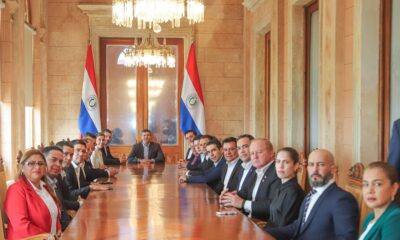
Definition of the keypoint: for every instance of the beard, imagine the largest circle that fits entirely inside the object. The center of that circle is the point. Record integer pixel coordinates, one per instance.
(319, 183)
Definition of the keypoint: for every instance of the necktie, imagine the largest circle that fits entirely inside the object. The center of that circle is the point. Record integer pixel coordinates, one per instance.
(307, 204)
(194, 160)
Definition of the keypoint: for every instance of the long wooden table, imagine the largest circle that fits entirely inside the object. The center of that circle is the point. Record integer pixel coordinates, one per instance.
(147, 202)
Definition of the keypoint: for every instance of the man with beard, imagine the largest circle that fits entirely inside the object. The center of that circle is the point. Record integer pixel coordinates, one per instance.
(327, 212)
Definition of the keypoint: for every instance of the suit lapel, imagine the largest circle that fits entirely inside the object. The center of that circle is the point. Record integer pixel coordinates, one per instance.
(377, 225)
(266, 179)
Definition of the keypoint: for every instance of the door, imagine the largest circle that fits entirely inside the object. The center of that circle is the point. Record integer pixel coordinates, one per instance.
(136, 98)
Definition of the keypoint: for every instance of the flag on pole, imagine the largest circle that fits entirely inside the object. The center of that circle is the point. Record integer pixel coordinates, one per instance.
(192, 104)
(89, 115)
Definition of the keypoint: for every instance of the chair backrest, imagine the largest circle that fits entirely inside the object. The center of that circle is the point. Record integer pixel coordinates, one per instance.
(354, 186)
(3, 190)
(302, 172)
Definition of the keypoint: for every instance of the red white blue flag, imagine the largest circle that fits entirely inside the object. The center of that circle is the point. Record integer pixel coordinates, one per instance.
(192, 115)
(89, 116)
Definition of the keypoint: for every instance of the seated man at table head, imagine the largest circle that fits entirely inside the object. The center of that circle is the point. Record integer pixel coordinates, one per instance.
(146, 151)
(109, 159)
(380, 186)
(285, 206)
(212, 175)
(263, 183)
(230, 170)
(54, 159)
(75, 177)
(31, 205)
(327, 211)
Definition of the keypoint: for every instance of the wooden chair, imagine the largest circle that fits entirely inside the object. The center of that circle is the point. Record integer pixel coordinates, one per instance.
(354, 186)
(40, 147)
(51, 143)
(302, 172)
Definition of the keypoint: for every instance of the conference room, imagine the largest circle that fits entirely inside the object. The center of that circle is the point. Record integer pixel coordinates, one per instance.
(199, 119)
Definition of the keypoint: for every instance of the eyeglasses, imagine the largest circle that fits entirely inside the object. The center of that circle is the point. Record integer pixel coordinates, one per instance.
(33, 164)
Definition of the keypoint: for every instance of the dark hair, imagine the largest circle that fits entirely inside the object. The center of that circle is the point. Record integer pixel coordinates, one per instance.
(78, 141)
(100, 134)
(389, 170)
(294, 155)
(89, 134)
(207, 136)
(197, 137)
(146, 130)
(63, 143)
(215, 142)
(107, 130)
(46, 151)
(229, 140)
(250, 137)
(191, 131)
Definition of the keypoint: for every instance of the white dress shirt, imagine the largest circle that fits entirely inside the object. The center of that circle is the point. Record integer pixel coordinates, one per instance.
(315, 196)
(50, 203)
(97, 159)
(260, 173)
(231, 166)
(246, 166)
(77, 172)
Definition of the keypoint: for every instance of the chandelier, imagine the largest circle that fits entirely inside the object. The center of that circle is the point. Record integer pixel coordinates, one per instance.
(152, 12)
(149, 53)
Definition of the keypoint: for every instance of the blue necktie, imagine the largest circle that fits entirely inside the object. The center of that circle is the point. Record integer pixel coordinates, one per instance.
(307, 204)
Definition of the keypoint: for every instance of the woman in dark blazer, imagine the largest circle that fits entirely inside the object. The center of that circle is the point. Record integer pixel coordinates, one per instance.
(31, 205)
(379, 189)
(285, 205)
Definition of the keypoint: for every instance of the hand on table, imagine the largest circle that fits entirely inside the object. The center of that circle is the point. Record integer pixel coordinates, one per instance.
(231, 199)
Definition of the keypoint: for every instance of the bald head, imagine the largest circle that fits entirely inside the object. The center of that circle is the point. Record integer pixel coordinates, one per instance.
(321, 167)
(261, 152)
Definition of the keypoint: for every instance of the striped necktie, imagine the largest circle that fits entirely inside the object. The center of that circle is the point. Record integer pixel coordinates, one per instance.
(307, 204)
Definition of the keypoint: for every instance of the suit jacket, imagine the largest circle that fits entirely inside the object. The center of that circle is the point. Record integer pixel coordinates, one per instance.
(285, 206)
(193, 164)
(211, 176)
(386, 227)
(394, 146)
(137, 153)
(27, 214)
(108, 158)
(249, 178)
(201, 168)
(72, 183)
(335, 215)
(265, 193)
(68, 202)
(234, 179)
(93, 173)
(189, 155)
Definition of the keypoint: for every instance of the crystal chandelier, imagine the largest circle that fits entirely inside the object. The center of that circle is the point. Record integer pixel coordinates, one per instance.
(152, 12)
(149, 53)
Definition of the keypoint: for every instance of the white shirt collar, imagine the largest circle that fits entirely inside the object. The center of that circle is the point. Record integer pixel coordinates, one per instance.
(321, 189)
(216, 163)
(35, 188)
(233, 162)
(75, 165)
(247, 165)
(263, 169)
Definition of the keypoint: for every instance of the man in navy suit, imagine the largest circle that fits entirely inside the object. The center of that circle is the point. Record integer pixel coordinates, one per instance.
(394, 146)
(213, 174)
(146, 151)
(327, 212)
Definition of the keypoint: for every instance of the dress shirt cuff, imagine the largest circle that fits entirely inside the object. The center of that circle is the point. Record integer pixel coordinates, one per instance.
(247, 206)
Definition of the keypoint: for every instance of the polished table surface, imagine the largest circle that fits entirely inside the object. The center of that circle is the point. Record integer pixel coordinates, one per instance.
(147, 202)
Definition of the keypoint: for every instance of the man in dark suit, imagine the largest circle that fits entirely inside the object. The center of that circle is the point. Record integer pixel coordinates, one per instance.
(196, 158)
(230, 171)
(327, 212)
(146, 151)
(108, 158)
(213, 174)
(394, 146)
(204, 163)
(74, 174)
(54, 159)
(263, 183)
(189, 138)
